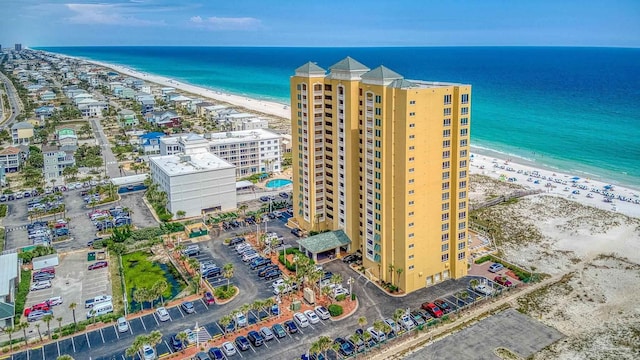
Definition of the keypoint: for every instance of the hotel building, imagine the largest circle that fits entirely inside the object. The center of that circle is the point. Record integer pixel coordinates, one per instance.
(386, 160)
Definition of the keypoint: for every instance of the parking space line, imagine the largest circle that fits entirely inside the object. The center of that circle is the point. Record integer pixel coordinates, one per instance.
(143, 325)
(204, 303)
(168, 347)
(86, 335)
(238, 351)
(58, 346)
(180, 310)
(251, 347)
(154, 318)
(265, 344)
(73, 343)
(116, 330)
(102, 336)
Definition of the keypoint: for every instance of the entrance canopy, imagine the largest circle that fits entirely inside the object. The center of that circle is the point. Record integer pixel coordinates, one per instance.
(317, 244)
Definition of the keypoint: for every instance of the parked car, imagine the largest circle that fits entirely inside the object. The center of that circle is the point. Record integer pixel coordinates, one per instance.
(208, 298)
(38, 314)
(45, 284)
(378, 336)
(297, 232)
(191, 250)
(311, 316)
(433, 310)
(176, 343)
(275, 310)
(236, 240)
(201, 356)
(301, 320)
(241, 320)
(228, 348)
(484, 289)
(417, 318)
(97, 300)
(495, 267)
(278, 330)
(255, 338)
(148, 353)
(215, 354)
(267, 269)
(443, 305)
(503, 280)
(266, 333)
(122, 324)
(98, 265)
(163, 314)
(37, 307)
(187, 306)
(291, 326)
(346, 347)
(242, 343)
(393, 325)
(407, 322)
(322, 312)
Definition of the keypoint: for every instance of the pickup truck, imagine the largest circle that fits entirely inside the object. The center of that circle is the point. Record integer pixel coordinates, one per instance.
(96, 300)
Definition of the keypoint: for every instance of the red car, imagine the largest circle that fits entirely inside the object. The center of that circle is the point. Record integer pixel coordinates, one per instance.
(41, 306)
(503, 280)
(208, 298)
(98, 265)
(433, 310)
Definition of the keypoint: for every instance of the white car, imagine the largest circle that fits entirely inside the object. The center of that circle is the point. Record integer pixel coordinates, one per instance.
(56, 300)
(191, 336)
(241, 320)
(122, 324)
(484, 289)
(322, 312)
(148, 353)
(40, 285)
(228, 348)
(340, 291)
(277, 283)
(163, 314)
(313, 318)
(301, 320)
(406, 321)
(249, 257)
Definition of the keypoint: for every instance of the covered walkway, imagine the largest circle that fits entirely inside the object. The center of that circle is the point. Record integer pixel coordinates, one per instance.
(330, 241)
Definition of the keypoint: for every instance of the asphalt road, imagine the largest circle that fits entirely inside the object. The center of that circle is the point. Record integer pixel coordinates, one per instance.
(110, 160)
(14, 101)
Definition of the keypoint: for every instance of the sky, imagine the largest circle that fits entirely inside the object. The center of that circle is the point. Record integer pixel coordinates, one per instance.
(332, 23)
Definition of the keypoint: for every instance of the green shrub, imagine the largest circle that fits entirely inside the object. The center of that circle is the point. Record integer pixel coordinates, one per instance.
(224, 293)
(3, 210)
(335, 310)
(483, 259)
(55, 336)
(23, 290)
(341, 297)
(353, 296)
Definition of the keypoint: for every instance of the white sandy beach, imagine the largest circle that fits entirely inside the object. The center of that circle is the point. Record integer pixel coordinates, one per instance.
(480, 164)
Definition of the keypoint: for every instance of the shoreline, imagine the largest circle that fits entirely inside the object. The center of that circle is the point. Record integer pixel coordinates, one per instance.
(283, 111)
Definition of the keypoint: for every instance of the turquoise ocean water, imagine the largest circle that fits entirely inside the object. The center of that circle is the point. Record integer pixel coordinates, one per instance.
(574, 109)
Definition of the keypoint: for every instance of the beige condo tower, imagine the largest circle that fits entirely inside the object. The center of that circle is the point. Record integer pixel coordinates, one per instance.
(386, 160)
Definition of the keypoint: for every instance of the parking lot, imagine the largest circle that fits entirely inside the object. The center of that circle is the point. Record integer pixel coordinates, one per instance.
(75, 284)
(81, 229)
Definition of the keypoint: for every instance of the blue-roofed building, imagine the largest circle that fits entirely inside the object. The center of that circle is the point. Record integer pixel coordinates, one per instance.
(150, 142)
(45, 111)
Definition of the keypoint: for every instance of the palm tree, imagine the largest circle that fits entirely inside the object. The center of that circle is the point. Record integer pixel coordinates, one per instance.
(39, 333)
(136, 346)
(366, 336)
(398, 271)
(391, 269)
(9, 331)
(227, 272)
(47, 319)
(159, 288)
(244, 309)
(397, 315)
(181, 214)
(313, 277)
(324, 344)
(326, 291)
(64, 357)
(73, 306)
(59, 320)
(355, 338)
(243, 208)
(140, 296)
(362, 321)
(378, 325)
(234, 315)
(336, 279)
(155, 337)
(23, 326)
(182, 336)
(225, 321)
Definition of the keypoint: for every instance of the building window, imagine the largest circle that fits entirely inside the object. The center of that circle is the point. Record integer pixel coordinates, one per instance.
(412, 114)
(446, 165)
(411, 170)
(462, 184)
(411, 181)
(461, 245)
(462, 195)
(464, 111)
(411, 192)
(446, 133)
(411, 213)
(412, 125)
(411, 267)
(445, 175)
(411, 235)
(464, 121)
(411, 148)
(464, 132)
(447, 99)
(463, 142)
(412, 158)
(445, 227)
(445, 196)
(463, 153)
(378, 111)
(464, 98)
(461, 256)
(446, 144)
(462, 215)
(411, 257)
(411, 246)
(444, 247)
(446, 122)
(378, 99)
(445, 216)
(411, 202)
(463, 163)
(445, 206)
(462, 225)
(412, 136)
(412, 102)
(445, 257)
(410, 224)
(446, 112)
(444, 237)
(445, 185)
(462, 205)
(446, 154)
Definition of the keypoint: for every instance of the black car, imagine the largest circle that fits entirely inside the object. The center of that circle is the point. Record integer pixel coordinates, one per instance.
(265, 270)
(215, 354)
(291, 326)
(212, 272)
(255, 338)
(264, 198)
(274, 274)
(297, 232)
(176, 344)
(242, 343)
(443, 305)
(284, 195)
(236, 241)
(351, 258)
(346, 347)
(260, 263)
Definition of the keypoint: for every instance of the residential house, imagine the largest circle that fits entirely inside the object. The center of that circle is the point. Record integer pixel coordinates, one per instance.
(11, 158)
(164, 118)
(67, 139)
(147, 104)
(150, 142)
(44, 111)
(55, 161)
(48, 95)
(127, 118)
(92, 107)
(9, 280)
(22, 133)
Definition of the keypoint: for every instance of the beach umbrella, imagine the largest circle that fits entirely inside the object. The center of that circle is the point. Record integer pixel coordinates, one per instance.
(575, 178)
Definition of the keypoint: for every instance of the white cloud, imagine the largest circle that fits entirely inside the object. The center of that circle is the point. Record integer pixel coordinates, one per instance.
(226, 23)
(107, 14)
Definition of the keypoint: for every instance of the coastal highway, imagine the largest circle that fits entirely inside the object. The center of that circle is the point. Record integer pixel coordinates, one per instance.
(14, 101)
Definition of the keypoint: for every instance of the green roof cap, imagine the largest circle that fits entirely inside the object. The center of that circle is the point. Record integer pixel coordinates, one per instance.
(7, 310)
(348, 64)
(382, 73)
(325, 241)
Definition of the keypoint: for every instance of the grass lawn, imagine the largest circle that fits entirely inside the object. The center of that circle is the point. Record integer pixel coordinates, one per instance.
(116, 284)
(139, 273)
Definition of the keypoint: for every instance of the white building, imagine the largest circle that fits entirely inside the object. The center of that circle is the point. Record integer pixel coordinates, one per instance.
(196, 183)
(183, 144)
(251, 151)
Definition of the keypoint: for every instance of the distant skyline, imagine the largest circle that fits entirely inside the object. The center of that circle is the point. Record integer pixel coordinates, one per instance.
(329, 23)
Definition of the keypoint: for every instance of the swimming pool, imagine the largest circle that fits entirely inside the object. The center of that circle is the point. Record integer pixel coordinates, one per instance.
(276, 183)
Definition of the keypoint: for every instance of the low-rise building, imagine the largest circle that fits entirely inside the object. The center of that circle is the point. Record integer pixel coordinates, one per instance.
(127, 118)
(196, 184)
(92, 107)
(183, 144)
(251, 151)
(11, 158)
(164, 118)
(67, 139)
(21, 133)
(150, 142)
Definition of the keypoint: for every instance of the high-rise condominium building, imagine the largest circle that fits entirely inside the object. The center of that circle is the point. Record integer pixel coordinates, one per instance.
(386, 160)
(18, 47)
